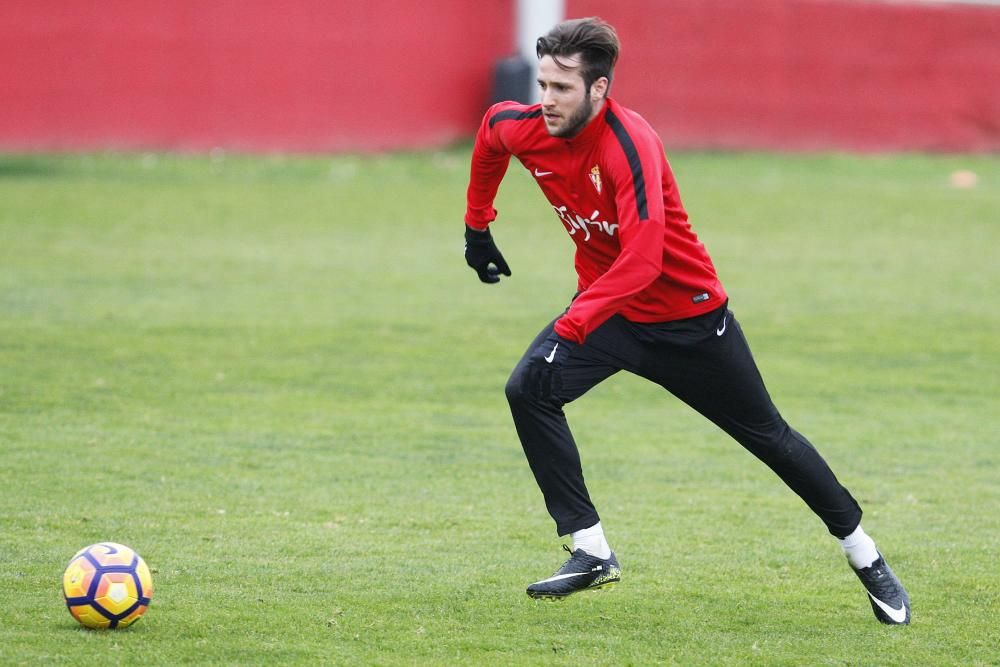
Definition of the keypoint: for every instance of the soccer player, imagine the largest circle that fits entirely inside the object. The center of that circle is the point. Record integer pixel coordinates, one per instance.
(648, 302)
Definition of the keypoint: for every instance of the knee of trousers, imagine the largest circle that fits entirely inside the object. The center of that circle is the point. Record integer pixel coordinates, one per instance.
(520, 400)
(778, 445)
(516, 395)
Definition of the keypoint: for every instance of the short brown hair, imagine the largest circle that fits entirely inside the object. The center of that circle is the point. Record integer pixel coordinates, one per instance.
(595, 41)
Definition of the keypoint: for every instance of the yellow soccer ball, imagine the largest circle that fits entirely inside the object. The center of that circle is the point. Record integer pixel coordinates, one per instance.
(107, 585)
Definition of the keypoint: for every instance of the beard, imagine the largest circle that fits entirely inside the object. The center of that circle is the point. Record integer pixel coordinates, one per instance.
(577, 121)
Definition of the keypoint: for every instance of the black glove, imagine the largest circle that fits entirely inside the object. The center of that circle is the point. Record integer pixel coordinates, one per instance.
(483, 256)
(542, 377)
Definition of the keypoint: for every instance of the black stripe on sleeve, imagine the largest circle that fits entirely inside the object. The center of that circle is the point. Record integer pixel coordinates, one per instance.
(514, 115)
(638, 180)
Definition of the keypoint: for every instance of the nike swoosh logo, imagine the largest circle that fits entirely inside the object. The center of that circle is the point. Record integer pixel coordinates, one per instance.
(897, 615)
(560, 577)
(552, 354)
(539, 174)
(719, 332)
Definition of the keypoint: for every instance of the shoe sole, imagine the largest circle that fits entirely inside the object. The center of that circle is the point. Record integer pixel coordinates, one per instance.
(558, 598)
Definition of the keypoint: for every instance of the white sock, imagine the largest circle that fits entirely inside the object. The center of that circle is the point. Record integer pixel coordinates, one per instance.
(859, 549)
(592, 541)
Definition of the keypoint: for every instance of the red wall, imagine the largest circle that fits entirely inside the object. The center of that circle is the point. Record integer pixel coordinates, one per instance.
(322, 75)
(804, 74)
(246, 74)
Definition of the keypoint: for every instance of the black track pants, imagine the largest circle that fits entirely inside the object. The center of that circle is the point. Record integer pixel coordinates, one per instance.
(704, 361)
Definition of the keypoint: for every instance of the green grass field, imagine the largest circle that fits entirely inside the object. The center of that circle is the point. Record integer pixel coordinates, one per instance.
(278, 381)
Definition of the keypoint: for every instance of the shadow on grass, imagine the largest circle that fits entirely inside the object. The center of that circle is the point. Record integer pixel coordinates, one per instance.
(29, 166)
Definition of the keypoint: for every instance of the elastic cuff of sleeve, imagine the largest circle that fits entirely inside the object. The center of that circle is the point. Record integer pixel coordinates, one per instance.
(477, 234)
(565, 331)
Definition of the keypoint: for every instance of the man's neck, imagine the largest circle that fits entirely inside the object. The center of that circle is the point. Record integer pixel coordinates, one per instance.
(598, 109)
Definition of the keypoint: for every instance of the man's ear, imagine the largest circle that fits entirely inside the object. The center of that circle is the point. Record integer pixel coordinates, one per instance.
(599, 89)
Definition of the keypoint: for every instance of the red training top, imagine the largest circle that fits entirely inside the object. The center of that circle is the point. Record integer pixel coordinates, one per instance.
(612, 187)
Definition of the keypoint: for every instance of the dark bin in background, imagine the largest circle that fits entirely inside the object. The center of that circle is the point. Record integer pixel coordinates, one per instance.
(513, 80)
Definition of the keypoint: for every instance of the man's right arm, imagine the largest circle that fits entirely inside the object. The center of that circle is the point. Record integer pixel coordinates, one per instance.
(489, 164)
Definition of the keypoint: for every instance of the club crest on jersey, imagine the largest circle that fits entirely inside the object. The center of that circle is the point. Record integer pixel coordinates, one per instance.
(595, 177)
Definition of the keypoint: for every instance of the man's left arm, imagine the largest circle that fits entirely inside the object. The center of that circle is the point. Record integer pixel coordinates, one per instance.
(636, 175)
(639, 205)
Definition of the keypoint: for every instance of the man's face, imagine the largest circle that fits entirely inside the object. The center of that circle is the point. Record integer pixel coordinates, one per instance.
(567, 106)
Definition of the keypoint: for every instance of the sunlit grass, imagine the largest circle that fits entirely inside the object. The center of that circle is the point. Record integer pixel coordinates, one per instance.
(277, 380)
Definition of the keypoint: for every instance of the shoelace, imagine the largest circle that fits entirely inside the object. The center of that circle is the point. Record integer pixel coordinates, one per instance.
(571, 556)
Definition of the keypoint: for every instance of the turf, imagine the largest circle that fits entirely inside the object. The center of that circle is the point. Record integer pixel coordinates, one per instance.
(277, 380)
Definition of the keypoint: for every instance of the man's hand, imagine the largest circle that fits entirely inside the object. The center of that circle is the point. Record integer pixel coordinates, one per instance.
(543, 375)
(483, 256)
